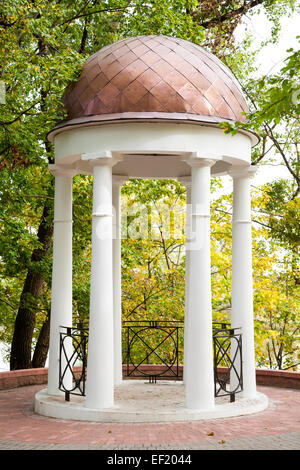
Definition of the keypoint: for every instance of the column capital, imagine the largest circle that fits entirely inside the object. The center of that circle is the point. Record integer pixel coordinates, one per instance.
(101, 158)
(58, 170)
(199, 159)
(243, 172)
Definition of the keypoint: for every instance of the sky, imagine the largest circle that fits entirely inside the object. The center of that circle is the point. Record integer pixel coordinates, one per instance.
(272, 57)
(269, 60)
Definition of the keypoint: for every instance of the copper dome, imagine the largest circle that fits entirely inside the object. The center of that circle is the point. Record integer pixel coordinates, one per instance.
(155, 74)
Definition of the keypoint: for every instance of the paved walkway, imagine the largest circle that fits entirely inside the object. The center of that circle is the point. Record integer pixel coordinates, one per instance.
(276, 428)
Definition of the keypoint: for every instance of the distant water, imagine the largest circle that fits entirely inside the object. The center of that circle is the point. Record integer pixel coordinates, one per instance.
(4, 366)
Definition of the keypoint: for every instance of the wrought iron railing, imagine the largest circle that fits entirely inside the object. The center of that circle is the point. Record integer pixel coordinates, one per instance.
(228, 369)
(73, 360)
(155, 342)
(153, 349)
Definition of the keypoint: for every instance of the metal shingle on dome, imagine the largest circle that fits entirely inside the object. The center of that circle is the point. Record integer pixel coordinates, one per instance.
(155, 74)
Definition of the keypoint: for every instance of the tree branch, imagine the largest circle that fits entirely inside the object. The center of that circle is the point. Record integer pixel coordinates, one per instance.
(83, 15)
(8, 303)
(278, 147)
(230, 14)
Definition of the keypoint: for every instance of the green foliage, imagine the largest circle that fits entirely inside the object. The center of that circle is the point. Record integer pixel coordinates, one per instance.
(283, 213)
(274, 102)
(170, 18)
(276, 278)
(152, 258)
(42, 48)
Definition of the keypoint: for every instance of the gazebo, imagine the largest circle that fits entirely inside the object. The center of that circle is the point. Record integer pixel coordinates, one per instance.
(149, 107)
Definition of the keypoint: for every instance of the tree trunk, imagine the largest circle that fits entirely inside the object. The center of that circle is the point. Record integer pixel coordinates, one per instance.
(42, 345)
(25, 320)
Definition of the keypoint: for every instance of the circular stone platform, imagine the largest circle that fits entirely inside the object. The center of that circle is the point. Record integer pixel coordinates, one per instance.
(140, 402)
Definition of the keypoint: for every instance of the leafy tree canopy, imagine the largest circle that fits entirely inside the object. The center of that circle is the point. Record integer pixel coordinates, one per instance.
(42, 48)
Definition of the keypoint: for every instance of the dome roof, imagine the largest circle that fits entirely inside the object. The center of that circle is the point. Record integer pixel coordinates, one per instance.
(158, 76)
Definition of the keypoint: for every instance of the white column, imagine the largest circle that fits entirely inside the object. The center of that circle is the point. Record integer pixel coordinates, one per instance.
(117, 292)
(199, 377)
(100, 377)
(61, 294)
(242, 288)
(187, 184)
(187, 274)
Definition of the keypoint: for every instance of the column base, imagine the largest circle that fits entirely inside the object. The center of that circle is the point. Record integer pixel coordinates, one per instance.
(200, 407)
(140, 402)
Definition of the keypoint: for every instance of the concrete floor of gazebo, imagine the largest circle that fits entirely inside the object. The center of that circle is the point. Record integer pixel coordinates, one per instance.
(142, 402)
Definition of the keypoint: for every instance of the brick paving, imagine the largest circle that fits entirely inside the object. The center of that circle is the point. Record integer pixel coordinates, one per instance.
(276, 428)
